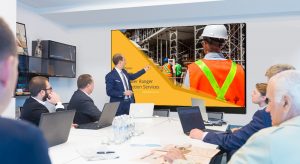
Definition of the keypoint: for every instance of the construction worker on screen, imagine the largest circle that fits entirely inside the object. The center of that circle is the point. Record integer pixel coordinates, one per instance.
(167, 68)
(215, 75)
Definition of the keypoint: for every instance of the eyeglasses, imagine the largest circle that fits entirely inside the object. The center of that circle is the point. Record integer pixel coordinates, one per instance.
(48, 89)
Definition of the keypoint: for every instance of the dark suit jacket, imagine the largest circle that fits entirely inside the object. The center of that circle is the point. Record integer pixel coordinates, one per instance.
(21, 142)
(114, 85)
(32, 111)
(86, 110)
(230, 142)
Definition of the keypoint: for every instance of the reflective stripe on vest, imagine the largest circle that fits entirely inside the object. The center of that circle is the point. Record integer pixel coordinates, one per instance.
(220, 92)
(166, 69)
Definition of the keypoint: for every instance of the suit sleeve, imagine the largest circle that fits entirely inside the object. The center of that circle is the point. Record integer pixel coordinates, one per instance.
(110, 87)
(90, 109)
(233, 141)
(137, 74)
(35, 116)
(37, 146)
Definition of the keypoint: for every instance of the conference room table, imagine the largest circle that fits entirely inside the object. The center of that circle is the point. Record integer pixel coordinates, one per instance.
(155, 132)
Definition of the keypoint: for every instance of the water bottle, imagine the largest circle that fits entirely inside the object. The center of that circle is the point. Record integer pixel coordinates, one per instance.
(123, 128)
(117, 130)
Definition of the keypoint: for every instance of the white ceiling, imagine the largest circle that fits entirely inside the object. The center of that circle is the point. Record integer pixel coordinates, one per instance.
(78, 13)
(100, 4)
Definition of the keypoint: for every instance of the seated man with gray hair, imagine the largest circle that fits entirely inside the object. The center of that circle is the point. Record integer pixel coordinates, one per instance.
(277, 144)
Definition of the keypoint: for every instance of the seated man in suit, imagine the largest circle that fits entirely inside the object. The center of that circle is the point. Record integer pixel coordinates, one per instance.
(86, 110)
(279, 143)
(41, 91)
(20, 142)
(118, 85)
(231, 142)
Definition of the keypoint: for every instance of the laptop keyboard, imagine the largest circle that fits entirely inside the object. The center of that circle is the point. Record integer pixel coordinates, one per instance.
(93, 125)
(206, 130)
(212, 131)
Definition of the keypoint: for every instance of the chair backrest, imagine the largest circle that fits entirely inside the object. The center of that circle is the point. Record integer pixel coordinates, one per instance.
(161, 112)
(65, 105)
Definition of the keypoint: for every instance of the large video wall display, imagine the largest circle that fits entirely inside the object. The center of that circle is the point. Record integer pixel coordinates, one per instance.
(206, 62)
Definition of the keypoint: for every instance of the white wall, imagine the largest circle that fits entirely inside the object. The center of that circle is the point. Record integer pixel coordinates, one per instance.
(270, 40)
(93, 47)
(8, 13)
(93, 53)
(38, 27)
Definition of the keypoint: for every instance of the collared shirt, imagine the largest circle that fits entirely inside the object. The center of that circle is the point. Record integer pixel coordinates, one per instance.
(124, 84)
(85, 93)
(272, 145)
(208, 56)
(58, 104)
(120, 74)
(261, 108)
(41, 102)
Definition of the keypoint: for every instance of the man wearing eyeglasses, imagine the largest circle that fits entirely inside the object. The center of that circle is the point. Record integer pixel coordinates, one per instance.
(41, 91)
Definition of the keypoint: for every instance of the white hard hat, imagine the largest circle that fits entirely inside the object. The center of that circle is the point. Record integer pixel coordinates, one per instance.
(215, 31)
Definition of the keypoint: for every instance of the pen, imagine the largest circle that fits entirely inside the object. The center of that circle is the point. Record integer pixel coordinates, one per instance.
(105, 152)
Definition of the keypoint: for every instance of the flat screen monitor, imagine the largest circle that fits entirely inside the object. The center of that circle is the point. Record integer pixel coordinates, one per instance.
(175, 54)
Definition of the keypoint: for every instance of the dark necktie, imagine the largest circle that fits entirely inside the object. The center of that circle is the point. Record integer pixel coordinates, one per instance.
(125, 81)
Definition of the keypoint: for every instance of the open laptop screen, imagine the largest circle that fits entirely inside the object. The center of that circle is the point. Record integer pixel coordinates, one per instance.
(56, 126)
(141, 110)
(190, 118)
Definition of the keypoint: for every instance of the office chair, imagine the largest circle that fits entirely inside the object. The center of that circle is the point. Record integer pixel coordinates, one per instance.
(65, 105)
(161, 112)
(219, 158)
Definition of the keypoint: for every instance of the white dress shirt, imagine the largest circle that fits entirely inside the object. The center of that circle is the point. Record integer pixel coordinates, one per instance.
(58, 104)
(120, 72)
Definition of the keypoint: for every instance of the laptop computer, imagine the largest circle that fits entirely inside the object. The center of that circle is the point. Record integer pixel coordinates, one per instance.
(191, 118)
(141, 110)
(56, 126)
(201, 104)
(107, 116)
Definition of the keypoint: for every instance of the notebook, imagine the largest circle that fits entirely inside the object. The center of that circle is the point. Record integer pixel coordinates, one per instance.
(56, 126)
(191, 118)
(107, 116)
(141, 110)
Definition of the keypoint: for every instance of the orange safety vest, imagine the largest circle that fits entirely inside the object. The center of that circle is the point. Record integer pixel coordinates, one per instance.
(220, 69)
(167, 70)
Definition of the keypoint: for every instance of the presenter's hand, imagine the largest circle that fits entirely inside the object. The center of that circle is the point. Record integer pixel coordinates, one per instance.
(128, 93)
(196, 134)
(147, 68)
(173, 154)
(53, 98)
